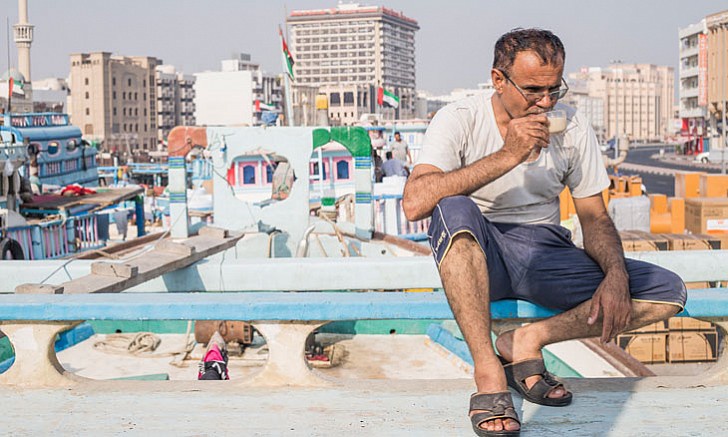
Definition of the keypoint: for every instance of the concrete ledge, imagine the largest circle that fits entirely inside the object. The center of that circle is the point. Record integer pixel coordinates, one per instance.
(652, 406)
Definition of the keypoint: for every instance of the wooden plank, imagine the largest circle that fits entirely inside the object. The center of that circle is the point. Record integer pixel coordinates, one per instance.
(38, 289)
(167, 256)
(115, 270)
(213, 232)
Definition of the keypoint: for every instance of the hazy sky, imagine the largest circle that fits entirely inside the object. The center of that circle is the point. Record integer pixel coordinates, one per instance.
(454, 44)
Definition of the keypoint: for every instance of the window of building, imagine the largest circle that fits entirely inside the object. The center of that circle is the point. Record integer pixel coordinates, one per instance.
(342, 169)
(249, 175)
(124, 128)
(113, 81)
(335, 99)
(123, 95)
(144, 82)
(85, 81)
(135, 96)
(348, 98)
(136, 111)
(87, 95)
(123, 111)
(114, 111)
(128, 81)
(113, 95)
(88, 111)
(145, 96)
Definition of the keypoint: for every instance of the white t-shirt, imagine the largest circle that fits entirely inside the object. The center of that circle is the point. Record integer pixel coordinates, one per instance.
(466, 131)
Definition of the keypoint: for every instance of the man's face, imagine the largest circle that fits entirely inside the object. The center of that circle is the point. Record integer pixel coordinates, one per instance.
(535, 82)
(397, 137)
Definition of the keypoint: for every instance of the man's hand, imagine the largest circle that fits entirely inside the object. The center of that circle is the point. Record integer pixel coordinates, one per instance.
(526, 134)
(613, 299)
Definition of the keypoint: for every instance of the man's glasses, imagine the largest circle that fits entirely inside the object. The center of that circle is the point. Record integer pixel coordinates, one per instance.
(535, 97)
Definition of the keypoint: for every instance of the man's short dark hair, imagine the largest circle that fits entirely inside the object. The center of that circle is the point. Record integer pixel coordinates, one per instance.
(388, 155)
(545, 44)
(397, 133)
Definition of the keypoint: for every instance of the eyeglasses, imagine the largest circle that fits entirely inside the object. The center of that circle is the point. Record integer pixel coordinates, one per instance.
(535, 97)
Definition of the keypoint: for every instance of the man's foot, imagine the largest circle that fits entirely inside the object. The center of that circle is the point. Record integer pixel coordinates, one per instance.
(488, 384)
(494, 412)
(514, 346)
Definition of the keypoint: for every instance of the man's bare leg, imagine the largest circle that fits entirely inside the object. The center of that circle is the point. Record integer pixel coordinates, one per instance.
(526, 342)
(464, 274)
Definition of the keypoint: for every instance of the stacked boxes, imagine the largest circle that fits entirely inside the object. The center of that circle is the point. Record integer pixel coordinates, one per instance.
(680, 340)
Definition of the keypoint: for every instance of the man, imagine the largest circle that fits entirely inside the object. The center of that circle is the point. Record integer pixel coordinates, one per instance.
(400, 149)
(490, 174)
(394, 167)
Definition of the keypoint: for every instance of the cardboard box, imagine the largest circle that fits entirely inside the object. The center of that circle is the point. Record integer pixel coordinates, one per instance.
(657, 240)
(647, 348)
(697, 285)
(656, 327)
(706, 215)
(688, 324)
(691, 242)
(687, 184)
(713, 185)
(691, 346)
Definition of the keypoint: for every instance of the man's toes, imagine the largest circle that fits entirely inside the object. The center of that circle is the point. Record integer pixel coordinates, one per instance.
(558, 392)
(497, 425)
(511, 425)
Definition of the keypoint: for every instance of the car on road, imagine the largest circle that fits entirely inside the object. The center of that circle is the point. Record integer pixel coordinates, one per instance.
(703, 157)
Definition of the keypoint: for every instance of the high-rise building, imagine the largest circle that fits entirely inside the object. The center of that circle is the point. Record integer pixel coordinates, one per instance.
(237, 95)
(638, 99)
(717, 76)
(358, 47)
(175, 100)
(692, 85)
(113, 100)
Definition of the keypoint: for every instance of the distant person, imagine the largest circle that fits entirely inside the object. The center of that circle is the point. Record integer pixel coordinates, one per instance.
(394, 167)
(377, 165)
(490, 174)
(400, 149)
(377, 139)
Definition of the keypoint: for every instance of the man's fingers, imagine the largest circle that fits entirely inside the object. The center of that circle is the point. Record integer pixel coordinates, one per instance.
(607, 326)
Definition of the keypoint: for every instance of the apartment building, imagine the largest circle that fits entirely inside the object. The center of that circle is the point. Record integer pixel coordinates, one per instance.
(175, 100)
(238, 95)
(692, 85)
(113, 100)
(360, 47)
(637, 98)
(717, 76)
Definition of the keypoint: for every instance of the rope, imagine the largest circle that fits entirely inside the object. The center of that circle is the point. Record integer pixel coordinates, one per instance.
(140, 344)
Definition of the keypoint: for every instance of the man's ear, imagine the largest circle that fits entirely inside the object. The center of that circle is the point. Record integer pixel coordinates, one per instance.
(498, 80)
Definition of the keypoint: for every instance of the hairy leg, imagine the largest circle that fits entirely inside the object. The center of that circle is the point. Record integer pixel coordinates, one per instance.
(464, 274)
(527, 341)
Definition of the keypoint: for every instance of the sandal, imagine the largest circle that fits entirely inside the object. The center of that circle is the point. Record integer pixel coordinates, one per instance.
(494, 406)
(516, 374)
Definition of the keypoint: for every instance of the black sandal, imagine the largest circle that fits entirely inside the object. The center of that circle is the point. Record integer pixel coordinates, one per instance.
(492, 406)
(516, 374)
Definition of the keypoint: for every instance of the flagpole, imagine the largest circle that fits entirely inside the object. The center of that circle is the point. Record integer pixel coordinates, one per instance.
(287, 81)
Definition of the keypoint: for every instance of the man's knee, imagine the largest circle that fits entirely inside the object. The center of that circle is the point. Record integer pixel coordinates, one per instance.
(456, 211)
(676, 284)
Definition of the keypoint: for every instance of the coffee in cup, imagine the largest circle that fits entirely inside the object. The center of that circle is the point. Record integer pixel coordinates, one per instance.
(557, 121)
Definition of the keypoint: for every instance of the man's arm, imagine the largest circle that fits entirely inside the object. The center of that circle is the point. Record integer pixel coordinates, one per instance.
(428, 184)
(602, 244)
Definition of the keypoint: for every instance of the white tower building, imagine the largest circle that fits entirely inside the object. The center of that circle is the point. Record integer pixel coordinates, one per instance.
(23, 39)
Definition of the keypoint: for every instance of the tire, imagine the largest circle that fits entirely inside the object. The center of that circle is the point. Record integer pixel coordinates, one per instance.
(11, 249)
(704, 160)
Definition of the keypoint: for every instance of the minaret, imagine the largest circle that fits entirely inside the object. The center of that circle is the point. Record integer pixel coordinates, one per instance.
(23, 38)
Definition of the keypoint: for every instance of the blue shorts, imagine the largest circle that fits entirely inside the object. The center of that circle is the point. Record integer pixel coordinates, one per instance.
(539, 263)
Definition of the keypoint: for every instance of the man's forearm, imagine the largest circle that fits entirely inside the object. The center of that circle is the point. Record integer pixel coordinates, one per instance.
(603, 245)
(422, 193)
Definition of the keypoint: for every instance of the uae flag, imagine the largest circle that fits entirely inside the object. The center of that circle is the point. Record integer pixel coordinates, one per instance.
(260, 106)
(287, 58)
(388, 97)
(15, 86)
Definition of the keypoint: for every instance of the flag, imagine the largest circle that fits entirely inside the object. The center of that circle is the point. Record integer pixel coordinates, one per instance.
(15, 87)
(287, 58)
(388, 97)
(260, 106)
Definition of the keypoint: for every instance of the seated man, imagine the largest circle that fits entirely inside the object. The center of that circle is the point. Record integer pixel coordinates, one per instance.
(490, 175)
(394, 167)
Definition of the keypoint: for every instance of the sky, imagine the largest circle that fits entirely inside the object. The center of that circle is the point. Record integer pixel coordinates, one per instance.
(454, 46)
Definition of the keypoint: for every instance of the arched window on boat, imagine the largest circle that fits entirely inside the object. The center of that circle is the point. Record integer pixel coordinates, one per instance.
(268, 174)
(53, 148)
(342, 169)
(249, 175)
(315, 170)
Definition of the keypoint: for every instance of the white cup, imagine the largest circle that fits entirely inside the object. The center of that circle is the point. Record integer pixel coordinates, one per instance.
(557, 121)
